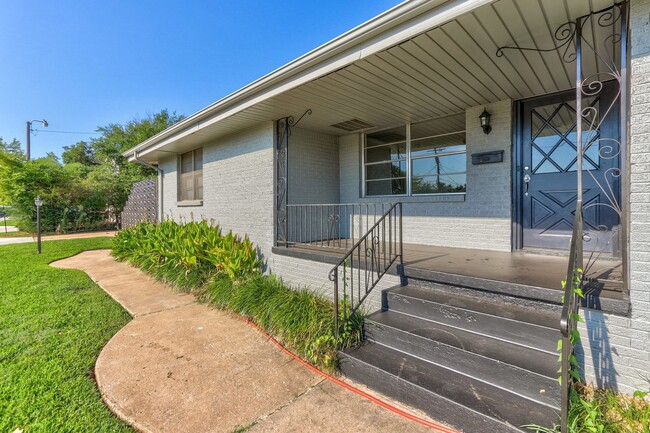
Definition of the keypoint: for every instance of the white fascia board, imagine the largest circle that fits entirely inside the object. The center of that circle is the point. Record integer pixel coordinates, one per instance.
(394, 26)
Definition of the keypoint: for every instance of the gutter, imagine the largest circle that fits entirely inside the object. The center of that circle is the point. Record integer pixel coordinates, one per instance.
(161, 174)
(380, 32)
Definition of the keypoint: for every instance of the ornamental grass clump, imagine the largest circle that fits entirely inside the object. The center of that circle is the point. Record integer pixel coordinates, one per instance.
(301, 320)
(188, 255)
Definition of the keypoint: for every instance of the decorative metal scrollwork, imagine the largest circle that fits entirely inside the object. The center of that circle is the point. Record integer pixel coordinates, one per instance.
(283, 128)
(571, 41)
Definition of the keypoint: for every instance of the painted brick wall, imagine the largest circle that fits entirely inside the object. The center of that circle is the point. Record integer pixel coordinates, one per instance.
(313, 167)
(237, 185)
(480, 219)
(314, 275)
(617, 349)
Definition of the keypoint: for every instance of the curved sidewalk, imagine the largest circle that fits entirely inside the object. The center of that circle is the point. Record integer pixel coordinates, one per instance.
(179, 366)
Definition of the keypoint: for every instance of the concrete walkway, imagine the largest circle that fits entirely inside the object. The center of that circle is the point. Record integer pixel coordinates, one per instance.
(26, 239)
(179, 366)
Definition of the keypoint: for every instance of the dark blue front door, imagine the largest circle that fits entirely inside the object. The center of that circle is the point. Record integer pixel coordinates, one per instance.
(549, 171)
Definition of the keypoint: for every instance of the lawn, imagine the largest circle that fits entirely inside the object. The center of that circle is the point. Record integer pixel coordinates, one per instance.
(53, 324)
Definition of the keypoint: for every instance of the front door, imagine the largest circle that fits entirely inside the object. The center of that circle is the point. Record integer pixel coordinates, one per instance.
(548, 180)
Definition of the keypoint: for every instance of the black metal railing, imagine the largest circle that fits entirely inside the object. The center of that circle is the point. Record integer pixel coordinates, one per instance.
(569, 319)
(331, 225)
(363, 266)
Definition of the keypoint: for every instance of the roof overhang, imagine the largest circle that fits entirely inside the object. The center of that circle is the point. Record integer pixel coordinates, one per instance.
(396, 25)
(420, 60)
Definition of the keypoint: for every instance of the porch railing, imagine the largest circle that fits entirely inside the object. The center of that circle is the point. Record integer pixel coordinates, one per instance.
(363, 266)
(331, 225)
(569, 318)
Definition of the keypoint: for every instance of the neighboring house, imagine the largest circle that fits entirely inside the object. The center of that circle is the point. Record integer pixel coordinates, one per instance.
(307, 158)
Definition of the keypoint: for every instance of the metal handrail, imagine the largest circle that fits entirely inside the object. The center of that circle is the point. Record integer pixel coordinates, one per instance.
(571, 304)
(372, 255)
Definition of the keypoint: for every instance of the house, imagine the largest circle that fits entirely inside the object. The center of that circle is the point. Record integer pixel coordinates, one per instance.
(426, 163)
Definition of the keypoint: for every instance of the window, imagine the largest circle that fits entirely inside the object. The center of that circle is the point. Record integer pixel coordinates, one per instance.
(420, 158)
(190, 186)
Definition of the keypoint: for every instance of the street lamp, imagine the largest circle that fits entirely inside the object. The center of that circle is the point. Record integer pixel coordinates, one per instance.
(38, 202)
(29, 133)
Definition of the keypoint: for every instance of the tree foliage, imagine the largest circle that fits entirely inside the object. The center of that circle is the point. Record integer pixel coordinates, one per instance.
(92, 183)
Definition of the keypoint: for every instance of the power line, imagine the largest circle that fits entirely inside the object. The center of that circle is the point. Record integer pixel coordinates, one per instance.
(65, 132)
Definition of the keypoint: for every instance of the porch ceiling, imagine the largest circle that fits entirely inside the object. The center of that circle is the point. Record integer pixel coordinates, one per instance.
(441, 71)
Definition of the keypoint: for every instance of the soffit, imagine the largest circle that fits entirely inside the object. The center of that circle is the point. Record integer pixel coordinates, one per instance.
(439, 72)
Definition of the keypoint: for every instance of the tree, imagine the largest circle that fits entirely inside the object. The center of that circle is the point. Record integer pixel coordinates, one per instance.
(12, 148)
(93, 181)
(115, 175)
(80, 152)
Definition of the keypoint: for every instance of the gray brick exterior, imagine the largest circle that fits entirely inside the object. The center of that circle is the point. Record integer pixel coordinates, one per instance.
(480, 219)
(616, 350)
(237, 185)
(313, 167)
(238, 195)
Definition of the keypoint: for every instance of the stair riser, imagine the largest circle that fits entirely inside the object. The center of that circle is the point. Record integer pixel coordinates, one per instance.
(521, 333)
(525, 310)
(478, 396)
(436, 342)
(435, 406)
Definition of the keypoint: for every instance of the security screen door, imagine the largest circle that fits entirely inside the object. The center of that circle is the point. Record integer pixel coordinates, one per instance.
(549, 189)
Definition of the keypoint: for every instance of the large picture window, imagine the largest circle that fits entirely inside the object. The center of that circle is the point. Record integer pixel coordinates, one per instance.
(190, 186)
(420, 158)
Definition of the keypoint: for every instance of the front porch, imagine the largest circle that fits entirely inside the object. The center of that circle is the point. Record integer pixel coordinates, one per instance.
(530, 275)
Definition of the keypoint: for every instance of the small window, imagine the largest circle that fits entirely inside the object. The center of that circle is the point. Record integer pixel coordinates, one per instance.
(190, 183)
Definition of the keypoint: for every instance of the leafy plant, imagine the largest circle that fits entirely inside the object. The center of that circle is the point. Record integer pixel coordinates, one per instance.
(595, 410)
(224, 271)
(186, 255)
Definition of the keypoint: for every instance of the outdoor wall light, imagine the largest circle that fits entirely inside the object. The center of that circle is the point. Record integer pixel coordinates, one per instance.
(485, 121)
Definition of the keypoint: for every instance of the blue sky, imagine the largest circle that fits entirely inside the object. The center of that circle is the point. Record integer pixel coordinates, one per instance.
(84, 64)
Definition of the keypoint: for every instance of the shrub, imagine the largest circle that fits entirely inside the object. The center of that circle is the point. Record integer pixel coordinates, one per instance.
(301, 320)
(224, 271)
(186, 255)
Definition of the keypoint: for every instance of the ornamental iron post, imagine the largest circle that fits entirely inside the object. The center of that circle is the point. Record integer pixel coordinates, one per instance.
(283, 127)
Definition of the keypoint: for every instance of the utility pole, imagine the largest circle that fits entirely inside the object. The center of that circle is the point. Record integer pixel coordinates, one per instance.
(29, 133)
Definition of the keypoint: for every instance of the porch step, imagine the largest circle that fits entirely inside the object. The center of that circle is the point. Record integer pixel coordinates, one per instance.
(478, 363)
(397, 330)
(496, 304)
(370, 365)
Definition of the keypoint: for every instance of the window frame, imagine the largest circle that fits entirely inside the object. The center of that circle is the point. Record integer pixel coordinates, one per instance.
(409, 161)
(194, 200)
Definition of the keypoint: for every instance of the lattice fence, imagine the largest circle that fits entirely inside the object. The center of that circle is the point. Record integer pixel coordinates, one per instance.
(142, 203)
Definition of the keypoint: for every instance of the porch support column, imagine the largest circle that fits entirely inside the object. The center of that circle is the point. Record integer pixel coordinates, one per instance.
(281, 181)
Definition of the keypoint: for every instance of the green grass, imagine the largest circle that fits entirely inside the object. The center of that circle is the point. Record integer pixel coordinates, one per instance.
(53, 324)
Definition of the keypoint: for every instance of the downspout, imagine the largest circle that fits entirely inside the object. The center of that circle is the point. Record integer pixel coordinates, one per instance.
(160, 183)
